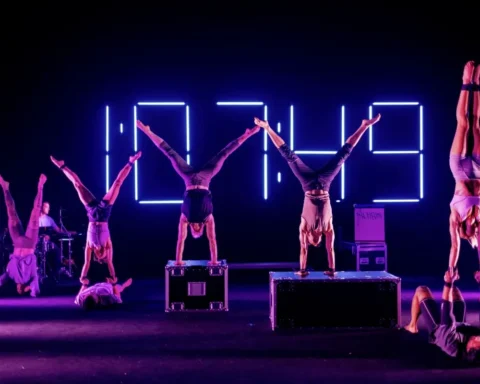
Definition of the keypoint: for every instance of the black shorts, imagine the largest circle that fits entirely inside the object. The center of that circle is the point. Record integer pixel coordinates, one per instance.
(435, 316)
(197, 205)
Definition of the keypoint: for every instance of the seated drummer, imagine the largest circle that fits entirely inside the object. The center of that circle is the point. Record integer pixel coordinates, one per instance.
(48, 227)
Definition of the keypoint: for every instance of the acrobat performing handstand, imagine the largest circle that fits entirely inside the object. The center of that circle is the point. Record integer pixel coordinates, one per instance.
(22, 266)
(316, 219)
(465, 205)
(99, 241)
(197, 206)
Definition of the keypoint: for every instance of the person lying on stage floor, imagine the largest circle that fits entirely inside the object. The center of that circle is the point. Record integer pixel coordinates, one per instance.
(197, 206)
(316, 219)
(22, 266)
(447, 328)
(465, 205)
(99, 241)
(101, 295)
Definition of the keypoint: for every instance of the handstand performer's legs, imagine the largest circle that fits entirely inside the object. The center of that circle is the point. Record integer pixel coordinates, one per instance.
(423, 302)
(459, 144)
(214, 165)
(114, 190)
(14, 224)
(476, 111)
(84, 194)
(33, 223)
(178, 162)
(301, 171)
(334, 165)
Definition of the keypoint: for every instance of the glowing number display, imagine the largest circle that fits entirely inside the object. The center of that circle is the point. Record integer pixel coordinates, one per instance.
(265, 137)
(415, 152)
(266, 173)
(135, 144)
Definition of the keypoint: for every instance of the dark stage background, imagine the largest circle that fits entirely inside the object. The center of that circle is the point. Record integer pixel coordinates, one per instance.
(63, 73)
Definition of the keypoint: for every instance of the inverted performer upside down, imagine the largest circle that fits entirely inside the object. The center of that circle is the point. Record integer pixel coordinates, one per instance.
(197, 206)
(317, 218)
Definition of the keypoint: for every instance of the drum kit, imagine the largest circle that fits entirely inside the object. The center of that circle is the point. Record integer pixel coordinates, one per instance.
(46, 244)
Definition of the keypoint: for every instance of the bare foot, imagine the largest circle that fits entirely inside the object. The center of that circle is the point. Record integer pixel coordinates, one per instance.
(143, 127)
(329, 272)
(135, 157)
(260, 123)
(476, 76)
(410, 328)
(127, 283)
(302, 273)
(58, 163)
(26, 289)
(213, 263)
(179, 262)
(468, 72)
(42, 180)
(3, 183)
(369, 122)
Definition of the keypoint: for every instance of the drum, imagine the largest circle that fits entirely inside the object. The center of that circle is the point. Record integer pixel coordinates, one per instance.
(44, 245)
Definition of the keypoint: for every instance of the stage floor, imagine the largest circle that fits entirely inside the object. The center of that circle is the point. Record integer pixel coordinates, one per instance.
(50, 340)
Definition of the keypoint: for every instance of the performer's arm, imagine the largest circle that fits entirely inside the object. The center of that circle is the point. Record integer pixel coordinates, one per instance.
(455, 242)
(55, 227)
(447, 316)
(329, 245)
(303, 247)
(212, 239)
(86, 265)
(111, 269)
(182, 235)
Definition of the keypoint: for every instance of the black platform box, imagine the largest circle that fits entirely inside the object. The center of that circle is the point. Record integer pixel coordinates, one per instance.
(348, 300)
(196, 286)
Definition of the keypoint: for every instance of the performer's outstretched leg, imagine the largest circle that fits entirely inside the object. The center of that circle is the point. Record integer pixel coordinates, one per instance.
(119, 288)
(15, 226)
(114, 190)
(302, 172)
(214, 165)
(33, 223)
(84, 194)
(327, 174)
(183, 169)
(459, 144)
